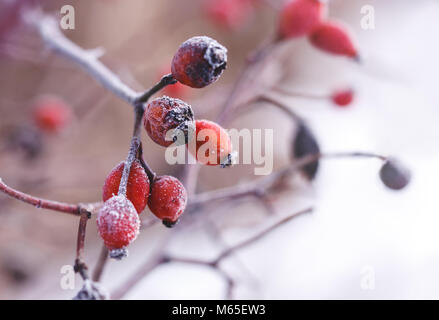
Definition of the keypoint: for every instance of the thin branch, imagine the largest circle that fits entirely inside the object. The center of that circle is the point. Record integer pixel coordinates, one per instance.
(74, 209)
(251, 62)
(135, 144)
(88, 60)
(260, 187)
(80, 266)
(297, 94)
(48, 28)
(160, 258)
(258, 236)
(150, 264)
(100, 264)
(164, 81)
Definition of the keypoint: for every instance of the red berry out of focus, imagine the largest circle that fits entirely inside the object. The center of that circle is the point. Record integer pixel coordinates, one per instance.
(137, 186)
(212, 145)
(299, 18)
(118, 222)
(168, 120)
(334, 38)
(199, 62)
(168, 199)
(343, 98)
(230, 14)
(51, 114)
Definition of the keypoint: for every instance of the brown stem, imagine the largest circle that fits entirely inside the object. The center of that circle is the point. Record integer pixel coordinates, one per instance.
(151, 174)
(252, 60)
(73, 209)
(258, 236)
(304, 95)
(260, 187)
(164, 81)
(159, 258)
(100, 265)
(80, 266)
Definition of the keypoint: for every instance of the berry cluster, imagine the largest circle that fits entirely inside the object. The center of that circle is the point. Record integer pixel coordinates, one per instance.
(168, 121)
(308, 18)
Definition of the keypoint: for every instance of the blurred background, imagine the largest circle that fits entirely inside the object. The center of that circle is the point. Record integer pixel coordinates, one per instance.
(359, 229)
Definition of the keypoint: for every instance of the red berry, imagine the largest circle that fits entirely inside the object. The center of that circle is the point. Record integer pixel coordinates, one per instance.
(343, 98)
(334, 38)
(51, 114)
(230, 14)
(299, 17)
(212, 145)
(118, 222)
(168, 199)
(137, 186)
(199, 62)
(166, 120)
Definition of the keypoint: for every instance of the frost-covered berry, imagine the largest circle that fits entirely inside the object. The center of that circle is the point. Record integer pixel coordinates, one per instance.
(343, 98)
(169, 120)
(394, 175)
(118, 224)
(168, 199)
(334, 38)
(212, 145)
(299, 17)
(199, 61)
(137, 186)
(91, 291)
(51, 114)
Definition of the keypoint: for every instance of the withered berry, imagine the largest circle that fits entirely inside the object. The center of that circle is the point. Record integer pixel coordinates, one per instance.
(299, 17)
(334, 38)
(118, 224)
(168, 199)
(212, 145)
(394, 175)
(305, 144)
(137, 186)
(166, 118)
(199, 61)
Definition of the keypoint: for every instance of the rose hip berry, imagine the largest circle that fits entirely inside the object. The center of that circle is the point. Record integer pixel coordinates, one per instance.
(51, 114)
(343, 98)
(168, 199)
(334, 38)
(168, 120)
(212, 145)
(137, 186)
(118, 224)
(199, 62)
(299, 17)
